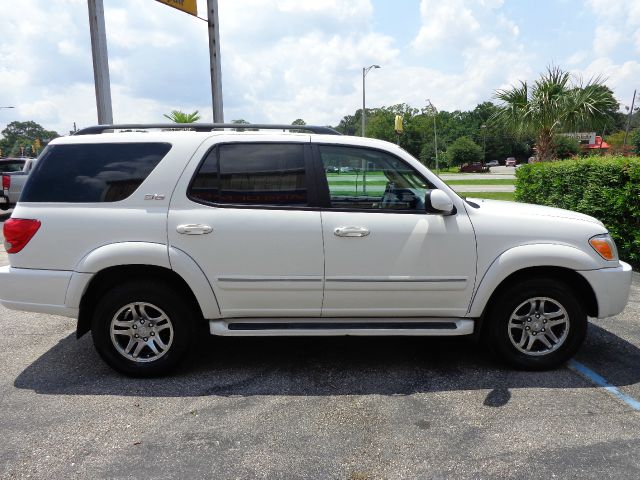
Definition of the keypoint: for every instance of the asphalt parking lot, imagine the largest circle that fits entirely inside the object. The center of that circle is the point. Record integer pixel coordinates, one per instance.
(344, 408)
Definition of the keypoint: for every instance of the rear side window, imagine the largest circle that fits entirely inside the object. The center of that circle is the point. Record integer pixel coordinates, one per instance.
(269, 174)
(11, 166)
(97, 172)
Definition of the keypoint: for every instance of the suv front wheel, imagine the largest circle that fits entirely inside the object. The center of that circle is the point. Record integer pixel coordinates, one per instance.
(142, 328)
(537, 324)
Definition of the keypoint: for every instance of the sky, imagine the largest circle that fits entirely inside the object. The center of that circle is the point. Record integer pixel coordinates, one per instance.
(289, 59)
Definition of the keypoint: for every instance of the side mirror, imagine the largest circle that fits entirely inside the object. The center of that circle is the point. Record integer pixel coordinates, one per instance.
(436, 201)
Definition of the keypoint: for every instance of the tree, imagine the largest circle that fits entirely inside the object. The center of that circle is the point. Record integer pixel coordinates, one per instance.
(177, 116)
(566, 147)
(635, 140)
(556, 102)
(464, 150)
(299, 122)
(615, 139)
(349, 125)
(240, 121)
(27, 137)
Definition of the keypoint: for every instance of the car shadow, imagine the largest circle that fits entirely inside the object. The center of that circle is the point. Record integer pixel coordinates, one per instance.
(320, 366)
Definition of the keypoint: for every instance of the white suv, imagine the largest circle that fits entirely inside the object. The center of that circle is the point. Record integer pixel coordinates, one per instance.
(146, 234)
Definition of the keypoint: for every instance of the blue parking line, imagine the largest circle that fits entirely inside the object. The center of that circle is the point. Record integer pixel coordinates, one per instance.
(602, 382)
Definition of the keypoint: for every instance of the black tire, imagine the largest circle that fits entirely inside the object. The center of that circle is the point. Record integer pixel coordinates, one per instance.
(505, 337)
(151, 301)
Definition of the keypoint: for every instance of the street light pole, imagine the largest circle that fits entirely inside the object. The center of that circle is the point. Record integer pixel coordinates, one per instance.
(365, 70)
(435, 132)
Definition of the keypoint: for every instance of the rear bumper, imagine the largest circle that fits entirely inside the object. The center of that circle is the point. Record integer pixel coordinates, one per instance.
(611, 286)
(42, 291)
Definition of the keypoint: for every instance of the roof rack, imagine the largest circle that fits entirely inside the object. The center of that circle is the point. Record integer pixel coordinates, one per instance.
(205, 127)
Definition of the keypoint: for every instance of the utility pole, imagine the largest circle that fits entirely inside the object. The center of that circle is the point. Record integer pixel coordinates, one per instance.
(434, 110)
(626, 131)
(100, 61)
(214, 60)
(484, 143)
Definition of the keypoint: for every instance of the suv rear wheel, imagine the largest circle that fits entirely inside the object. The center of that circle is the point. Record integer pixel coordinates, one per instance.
(142, 328)
(537, 324)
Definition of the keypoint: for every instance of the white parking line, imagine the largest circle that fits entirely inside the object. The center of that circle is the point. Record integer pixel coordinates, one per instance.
(592, 376)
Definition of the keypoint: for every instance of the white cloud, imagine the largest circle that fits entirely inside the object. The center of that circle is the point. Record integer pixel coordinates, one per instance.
(444, 23)
(283, 59)
(606, 40)
(622, 78)
(620, 21)
(576, 58)
(484, 40)
(307, 65)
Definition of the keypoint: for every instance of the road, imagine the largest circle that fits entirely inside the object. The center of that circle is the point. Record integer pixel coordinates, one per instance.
(344, 408)
(495, 173)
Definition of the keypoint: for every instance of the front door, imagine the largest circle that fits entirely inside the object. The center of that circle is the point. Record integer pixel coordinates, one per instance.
(244, 217)
(384, 254)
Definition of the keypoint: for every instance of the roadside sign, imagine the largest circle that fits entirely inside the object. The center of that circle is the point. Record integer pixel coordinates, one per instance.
(582, 137)
(188, 6)
(398, 124)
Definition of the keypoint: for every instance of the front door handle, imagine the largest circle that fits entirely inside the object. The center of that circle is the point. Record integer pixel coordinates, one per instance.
(194, 229)
(351, 232)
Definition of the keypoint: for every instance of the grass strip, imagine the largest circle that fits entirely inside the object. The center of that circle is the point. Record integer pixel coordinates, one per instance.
(489, 195)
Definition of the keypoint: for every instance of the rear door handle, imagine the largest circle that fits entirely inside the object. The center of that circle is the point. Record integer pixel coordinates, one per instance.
(194, 229)
(351, 232)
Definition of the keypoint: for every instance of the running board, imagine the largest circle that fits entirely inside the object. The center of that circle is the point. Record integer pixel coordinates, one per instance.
(291, 327)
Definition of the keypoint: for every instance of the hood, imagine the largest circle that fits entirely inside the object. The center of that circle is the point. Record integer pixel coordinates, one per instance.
(516, 209)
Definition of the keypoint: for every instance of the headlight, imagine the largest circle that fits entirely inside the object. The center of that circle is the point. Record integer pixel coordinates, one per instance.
(605, 246)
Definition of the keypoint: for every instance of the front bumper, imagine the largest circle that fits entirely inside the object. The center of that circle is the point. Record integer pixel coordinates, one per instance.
(42, 291)
(611, 286)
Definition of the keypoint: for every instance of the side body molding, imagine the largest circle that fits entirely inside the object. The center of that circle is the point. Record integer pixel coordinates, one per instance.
(527, 256)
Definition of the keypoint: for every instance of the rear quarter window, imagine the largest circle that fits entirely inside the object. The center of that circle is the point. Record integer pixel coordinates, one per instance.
(96, 172)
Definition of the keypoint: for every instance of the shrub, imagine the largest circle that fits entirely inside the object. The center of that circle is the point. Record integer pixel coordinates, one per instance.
(464, 150)
(566, 147)
(607, 188)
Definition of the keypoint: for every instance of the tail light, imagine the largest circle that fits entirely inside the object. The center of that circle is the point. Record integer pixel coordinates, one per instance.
(6, 182)
(17, 233)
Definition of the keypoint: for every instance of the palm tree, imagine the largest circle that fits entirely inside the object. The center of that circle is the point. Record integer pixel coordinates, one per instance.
(177, 116)
(557, 102)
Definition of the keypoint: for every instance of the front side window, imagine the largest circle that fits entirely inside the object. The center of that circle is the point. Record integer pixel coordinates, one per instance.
(364, 179)
(267, 174)
(92, 172)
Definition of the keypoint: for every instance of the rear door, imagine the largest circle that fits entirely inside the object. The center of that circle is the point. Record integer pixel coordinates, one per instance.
(246, 215)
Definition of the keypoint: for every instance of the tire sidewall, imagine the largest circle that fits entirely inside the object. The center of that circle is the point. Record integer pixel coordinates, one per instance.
(161, 295)
(506, 304)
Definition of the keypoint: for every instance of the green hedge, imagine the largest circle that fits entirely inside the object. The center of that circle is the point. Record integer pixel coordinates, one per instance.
(607, 188)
